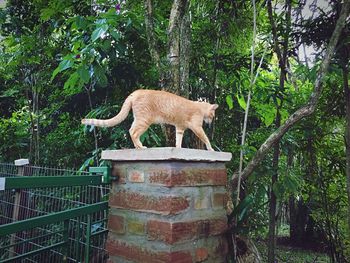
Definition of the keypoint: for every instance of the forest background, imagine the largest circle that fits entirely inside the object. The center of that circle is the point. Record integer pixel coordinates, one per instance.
(268, 64)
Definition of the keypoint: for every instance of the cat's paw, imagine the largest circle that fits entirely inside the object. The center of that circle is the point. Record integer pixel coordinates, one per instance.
(141, 147)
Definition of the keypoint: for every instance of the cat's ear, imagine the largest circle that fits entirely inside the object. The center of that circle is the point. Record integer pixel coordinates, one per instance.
(214, 106)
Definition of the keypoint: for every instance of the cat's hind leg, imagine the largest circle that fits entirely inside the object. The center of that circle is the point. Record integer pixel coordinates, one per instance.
(136, 130)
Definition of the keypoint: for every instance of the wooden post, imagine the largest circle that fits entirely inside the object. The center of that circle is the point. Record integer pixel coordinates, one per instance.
(20, 163)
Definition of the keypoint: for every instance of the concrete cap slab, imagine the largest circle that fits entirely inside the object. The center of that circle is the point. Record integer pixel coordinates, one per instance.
(165, 153)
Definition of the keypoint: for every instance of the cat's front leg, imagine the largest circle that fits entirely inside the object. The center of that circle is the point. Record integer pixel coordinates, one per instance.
(202, 136)
(179, 136)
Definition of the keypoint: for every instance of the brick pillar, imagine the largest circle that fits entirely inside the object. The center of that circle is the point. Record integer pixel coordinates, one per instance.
(168, 206)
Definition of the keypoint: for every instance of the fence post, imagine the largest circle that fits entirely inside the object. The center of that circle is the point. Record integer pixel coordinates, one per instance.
(20, 163)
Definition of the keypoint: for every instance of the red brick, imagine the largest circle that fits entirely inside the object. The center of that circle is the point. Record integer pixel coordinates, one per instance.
(138, 254)
(219, 200)
(201, 254)
(165, 205)
(188, 177)
(135, 176)
(116, 224)
(173, 232)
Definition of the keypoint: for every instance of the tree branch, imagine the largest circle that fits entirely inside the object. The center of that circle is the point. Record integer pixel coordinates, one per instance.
(306, 110)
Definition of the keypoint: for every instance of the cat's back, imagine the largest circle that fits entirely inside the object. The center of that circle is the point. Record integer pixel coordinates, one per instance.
(158, 96)
(159, 106)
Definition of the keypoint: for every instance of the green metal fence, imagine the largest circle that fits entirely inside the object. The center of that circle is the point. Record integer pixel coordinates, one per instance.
(53, 215)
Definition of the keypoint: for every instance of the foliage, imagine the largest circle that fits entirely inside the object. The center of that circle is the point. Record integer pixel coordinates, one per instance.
(61, 61)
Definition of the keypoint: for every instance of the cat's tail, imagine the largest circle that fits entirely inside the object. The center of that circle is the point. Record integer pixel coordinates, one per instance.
(113, 121)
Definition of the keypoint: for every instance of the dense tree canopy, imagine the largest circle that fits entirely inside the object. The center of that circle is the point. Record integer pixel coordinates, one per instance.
(61, 61)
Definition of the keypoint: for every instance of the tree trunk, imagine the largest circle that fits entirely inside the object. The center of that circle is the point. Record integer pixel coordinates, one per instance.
(301, 224)
(36, 130)
(283, 61)
(32, 94)
(152, 42)
(88, 91)
(173, 77)
(185, 51)
(272, 208)
(177, 26)
(273, 198)
(298, 220)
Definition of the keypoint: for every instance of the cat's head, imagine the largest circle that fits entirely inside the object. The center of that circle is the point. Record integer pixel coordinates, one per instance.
(210, 113)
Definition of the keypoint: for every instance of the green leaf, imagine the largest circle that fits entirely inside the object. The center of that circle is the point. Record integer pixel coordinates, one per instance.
(47, 13)
(64, 64)
(267, 113)
(128, 23)
(54, 73)
(79, 23)
(241, 102)
(71, 85)
(98, 32)
(102, 21)
(100, 75)
(9, 93)
(242, 208)
(268, 119)
(116, 35)
(229, 101)
(144, 137)
(284, 114)
(84, 74)
(106, 45)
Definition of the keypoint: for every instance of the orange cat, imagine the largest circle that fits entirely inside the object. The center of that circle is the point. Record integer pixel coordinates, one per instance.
(154, 106)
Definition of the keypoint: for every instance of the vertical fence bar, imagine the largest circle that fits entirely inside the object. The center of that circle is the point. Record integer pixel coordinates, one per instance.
(77, 241)
(88, 239)
(20, 163)
(65, 239)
